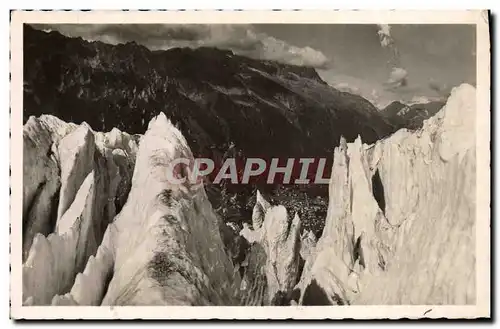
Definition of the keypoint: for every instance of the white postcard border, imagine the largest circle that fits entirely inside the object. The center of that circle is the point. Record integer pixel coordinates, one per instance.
(483, 257)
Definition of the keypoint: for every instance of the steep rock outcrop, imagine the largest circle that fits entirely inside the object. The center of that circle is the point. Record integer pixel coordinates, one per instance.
(164, 248)
(401, 220)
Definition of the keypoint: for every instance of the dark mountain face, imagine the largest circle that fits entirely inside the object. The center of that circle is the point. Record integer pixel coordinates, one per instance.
(214, 96)
(217, 99)
(411, 117)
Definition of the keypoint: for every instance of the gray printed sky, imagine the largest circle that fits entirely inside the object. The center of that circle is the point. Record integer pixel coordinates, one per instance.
(434, 58)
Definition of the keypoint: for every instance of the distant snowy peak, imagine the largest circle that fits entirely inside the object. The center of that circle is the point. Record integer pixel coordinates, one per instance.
(411, 115)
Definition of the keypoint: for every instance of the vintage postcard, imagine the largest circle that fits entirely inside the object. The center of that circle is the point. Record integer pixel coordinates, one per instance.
(250, 165)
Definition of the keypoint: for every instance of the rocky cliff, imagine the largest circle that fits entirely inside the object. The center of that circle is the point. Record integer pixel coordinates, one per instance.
(102, 225)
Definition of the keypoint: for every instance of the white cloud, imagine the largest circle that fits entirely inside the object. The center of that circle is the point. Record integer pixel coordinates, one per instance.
(240, 38)
(425, 99)
(278, 50)
(398, 78)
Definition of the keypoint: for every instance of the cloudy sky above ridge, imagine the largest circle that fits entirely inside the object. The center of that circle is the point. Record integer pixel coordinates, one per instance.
(243, 39)
(431, 59)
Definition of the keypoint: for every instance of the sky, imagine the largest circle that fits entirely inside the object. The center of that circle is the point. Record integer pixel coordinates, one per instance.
(383, 63)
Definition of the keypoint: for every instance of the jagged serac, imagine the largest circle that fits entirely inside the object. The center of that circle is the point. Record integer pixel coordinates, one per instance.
(73, 172)
(76, 154)
(165, 245)
(90, 286)
(401, 220)
(400, 227)
(275, 252)
(54, 261)
(41, 175)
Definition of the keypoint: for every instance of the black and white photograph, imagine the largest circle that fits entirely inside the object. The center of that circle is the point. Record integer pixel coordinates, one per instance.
(270, 163)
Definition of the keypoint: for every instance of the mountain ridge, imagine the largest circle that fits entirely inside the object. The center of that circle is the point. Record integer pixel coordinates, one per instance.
(205, 91)
(226, 105)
